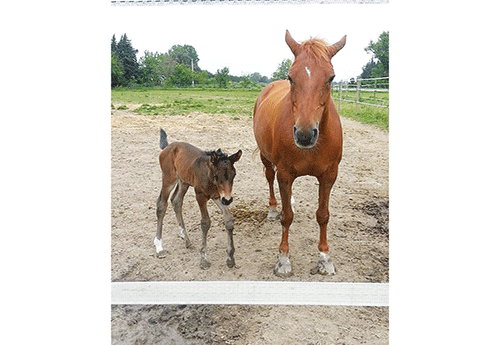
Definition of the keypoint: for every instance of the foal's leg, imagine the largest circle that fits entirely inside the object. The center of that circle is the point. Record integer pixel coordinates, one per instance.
(325, 264)
(270, 173)
(161, 209)
(177, 200)
(229, 224)
(283, 267)
(205, 225)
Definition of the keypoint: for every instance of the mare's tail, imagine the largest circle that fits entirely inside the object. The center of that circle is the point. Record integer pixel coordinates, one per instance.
(163, 139)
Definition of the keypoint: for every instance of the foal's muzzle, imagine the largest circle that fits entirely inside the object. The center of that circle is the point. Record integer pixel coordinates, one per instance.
(226, 201)
(305, 138)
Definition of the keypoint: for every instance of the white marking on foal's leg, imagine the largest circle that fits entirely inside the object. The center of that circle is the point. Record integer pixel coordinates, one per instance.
(292, 202)
(158, 245)
(184, 236)
(308, 72)
(183, 232)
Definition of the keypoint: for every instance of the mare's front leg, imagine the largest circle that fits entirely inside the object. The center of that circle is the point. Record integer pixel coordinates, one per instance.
(325, 264)
(229, 224)
(283, 267)
(205, 225)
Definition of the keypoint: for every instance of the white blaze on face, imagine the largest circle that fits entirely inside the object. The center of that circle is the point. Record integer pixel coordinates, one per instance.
(308, 72)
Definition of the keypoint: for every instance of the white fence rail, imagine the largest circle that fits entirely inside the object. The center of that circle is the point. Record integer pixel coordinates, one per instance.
(370, 85)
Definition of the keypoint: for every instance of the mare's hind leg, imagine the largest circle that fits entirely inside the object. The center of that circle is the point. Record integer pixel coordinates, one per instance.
(205, 225)
(229, 224)
(161, 209)
(177, 200)
(270, 173)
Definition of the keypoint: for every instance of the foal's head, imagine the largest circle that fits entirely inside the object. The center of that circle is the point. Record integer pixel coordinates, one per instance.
(310, 79)
(224, 173)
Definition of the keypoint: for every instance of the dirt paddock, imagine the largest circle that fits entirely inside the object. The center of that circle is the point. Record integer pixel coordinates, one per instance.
(358, 236)
(357, 232)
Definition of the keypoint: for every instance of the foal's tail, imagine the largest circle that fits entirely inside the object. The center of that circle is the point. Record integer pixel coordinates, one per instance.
(163, 139)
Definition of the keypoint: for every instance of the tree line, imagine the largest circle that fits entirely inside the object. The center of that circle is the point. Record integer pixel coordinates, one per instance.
(178, 67)
(378, 66)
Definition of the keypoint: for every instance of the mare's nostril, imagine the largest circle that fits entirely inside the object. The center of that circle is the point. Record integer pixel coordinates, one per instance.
(315, 132)
(227, 202)
(294, 129)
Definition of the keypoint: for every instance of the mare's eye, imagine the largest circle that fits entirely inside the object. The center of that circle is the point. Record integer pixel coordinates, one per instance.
(290, 79)
(330, 79)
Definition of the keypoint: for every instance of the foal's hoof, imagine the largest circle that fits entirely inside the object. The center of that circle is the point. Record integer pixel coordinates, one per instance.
(325, 266)
(230, 262)
(204, 264)
(283, 267)
(161, 254)
(188, 243)
(273, 214)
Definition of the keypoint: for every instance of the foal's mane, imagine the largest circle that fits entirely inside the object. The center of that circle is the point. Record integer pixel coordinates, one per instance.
(317, 48)
(218, 154)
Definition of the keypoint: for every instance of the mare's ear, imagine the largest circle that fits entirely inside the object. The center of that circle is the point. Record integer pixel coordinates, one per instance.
(236, 157)
(334, 48)
(294, 46)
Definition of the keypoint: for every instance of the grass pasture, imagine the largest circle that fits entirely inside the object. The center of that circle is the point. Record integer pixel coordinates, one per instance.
(235, 102)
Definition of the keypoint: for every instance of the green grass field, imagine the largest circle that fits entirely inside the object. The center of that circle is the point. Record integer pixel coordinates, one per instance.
(236, 102)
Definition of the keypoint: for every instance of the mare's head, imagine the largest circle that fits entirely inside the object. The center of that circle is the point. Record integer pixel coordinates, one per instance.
(310, 79)
(224, 173)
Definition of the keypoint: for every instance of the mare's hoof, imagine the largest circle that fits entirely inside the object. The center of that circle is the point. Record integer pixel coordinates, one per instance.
(204, 264)
(325, 265)
(273, 214)
(161, 254)
(230, 262)
(283, 267)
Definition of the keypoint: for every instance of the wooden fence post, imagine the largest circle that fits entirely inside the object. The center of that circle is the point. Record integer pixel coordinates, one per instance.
(358, 86)
(340, 95)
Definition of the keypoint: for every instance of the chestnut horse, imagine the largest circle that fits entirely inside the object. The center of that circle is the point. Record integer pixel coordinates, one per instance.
(211, 173)
(298, 132)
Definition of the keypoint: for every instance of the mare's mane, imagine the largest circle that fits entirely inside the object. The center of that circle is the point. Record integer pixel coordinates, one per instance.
(316, 48)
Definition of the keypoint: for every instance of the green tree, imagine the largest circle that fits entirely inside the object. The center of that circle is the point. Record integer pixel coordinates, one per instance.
(257, 78)
(380, 51)
(113, 44)
(182, 76)
(127, 56)
(155, 68)
(116, 71)
(222, 77)
(282, 71)
(185, 55)
(367, 69)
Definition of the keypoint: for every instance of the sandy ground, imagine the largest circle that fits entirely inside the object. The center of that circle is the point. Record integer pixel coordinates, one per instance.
(255, 325)
(358, 237)
(357, 231)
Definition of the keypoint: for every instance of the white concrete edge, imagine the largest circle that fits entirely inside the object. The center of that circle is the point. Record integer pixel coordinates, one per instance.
(251, 292)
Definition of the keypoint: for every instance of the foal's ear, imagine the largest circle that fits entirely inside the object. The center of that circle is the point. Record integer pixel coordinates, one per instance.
(236, 157)
(294, 46)
(334, 48)
(213, 158)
